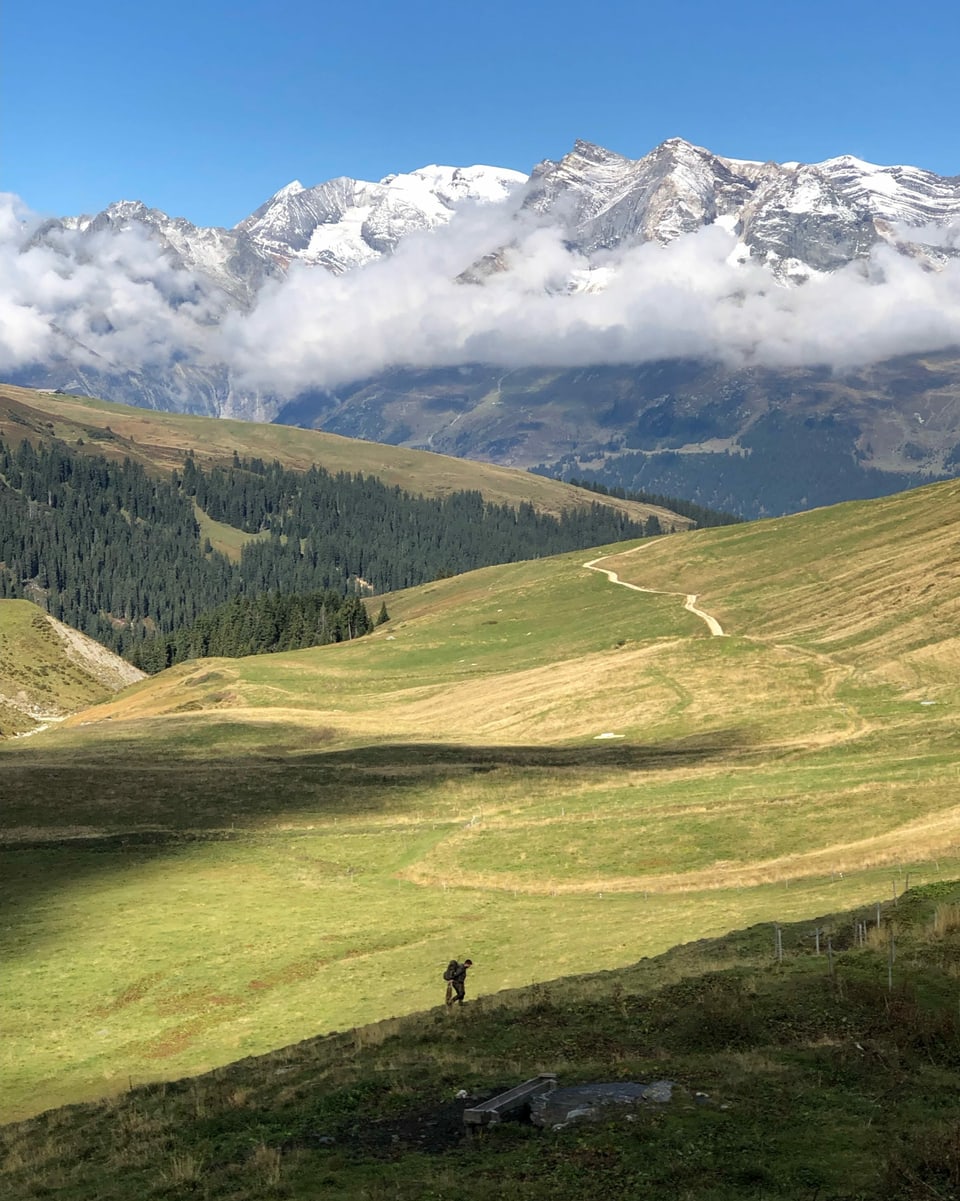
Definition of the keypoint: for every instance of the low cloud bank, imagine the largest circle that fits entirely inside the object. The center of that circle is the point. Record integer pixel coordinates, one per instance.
(106, 300)
(114, 301)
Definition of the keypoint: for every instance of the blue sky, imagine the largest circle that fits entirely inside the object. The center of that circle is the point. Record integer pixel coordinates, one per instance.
(204, 109)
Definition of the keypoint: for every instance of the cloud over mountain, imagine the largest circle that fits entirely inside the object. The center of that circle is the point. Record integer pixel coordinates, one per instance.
(596, 259)
(686, 299)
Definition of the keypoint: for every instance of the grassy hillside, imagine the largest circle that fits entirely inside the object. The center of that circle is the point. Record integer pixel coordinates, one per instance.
(876, 585)
(160, 440)
(527, 764)
(806, 1074)
(48, 670)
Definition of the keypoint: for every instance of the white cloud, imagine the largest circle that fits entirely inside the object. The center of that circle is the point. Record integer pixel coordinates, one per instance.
(110, 299)
(115, 299)
(685, 299)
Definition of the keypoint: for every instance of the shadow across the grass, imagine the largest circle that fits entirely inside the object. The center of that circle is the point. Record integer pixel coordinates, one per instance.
(113, 785)
(73, 810)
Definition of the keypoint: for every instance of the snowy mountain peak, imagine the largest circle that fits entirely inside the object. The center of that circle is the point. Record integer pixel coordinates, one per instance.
(290, 189)
(590, 152)
(681, 148)
(344, 223)
(792, 220)
(850, 161)
(795, 218)
(609, 199)
(127, 210)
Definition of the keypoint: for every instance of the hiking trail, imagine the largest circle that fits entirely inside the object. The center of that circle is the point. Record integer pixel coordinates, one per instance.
(690, 602)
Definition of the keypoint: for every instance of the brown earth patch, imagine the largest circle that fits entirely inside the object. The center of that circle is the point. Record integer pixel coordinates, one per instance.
(129, 996)
(176, 1040)
(194, 1000)
(301, 969)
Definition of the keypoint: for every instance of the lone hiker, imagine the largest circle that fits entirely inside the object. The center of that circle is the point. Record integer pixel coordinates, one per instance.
(456, 978)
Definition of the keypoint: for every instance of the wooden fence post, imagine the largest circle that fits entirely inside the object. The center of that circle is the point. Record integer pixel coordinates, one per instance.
(890, 957)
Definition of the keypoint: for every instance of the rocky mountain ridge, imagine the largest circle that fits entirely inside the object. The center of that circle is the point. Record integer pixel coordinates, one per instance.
(795, 218)
(344, 223)
(774, 230)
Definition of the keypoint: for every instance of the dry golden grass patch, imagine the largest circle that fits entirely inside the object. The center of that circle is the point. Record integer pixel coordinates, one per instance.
(945, 920)
(879, 576)
(187, 683)
(577, 698)
(918, 671)
(635, 689)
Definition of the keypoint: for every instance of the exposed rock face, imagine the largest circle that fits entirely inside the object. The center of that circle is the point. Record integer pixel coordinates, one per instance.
(793, 217)
(603, 199)
(49, 670)
(108, 669)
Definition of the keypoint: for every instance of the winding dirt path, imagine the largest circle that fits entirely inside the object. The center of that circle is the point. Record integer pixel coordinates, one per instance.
(690, 602)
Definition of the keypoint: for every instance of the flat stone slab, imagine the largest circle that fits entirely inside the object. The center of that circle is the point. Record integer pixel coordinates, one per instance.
(585, 1101)
(491, 1111)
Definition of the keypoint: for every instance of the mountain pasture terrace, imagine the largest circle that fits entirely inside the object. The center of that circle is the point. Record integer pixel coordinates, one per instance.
(236, 855)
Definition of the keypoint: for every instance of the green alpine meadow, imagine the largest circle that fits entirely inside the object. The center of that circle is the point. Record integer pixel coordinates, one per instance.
(688, 802)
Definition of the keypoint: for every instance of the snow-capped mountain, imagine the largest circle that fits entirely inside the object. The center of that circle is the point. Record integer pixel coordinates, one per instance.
(604, 200)
(595, 261)
(216, 260)
(794, 218)
(200, 274)
(345, 223)
(338, 225)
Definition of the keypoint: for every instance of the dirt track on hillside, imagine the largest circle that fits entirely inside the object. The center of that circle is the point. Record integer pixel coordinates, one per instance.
(690, 601)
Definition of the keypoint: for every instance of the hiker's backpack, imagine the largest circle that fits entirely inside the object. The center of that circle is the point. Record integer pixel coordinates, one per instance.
(451, 970)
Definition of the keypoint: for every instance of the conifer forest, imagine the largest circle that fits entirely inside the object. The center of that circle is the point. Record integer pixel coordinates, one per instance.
(118, 553)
